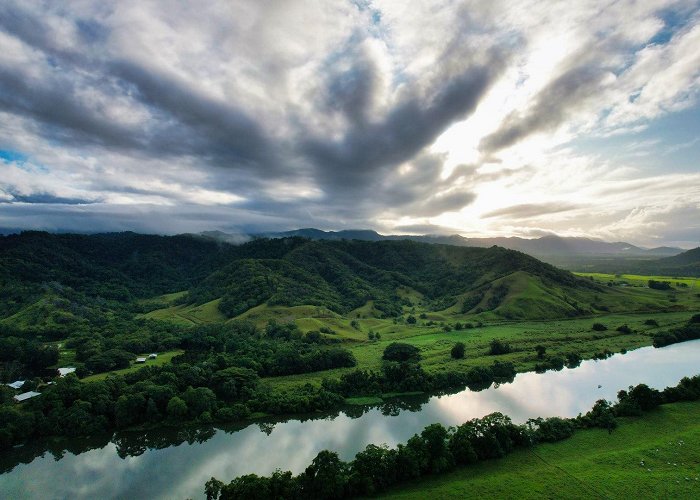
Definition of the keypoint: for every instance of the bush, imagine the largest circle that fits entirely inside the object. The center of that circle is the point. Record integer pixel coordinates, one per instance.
(651, 322)
(659, 285)
(551, 429)
(599, 327)
(624, 329)
(458, 350)
(497, 347)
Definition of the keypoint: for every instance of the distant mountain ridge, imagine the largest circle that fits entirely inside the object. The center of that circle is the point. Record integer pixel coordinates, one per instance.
(550, 245)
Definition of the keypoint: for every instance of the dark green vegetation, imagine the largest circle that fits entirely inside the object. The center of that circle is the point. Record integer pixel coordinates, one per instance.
(691, 331)
(285, 326)
(438, 450)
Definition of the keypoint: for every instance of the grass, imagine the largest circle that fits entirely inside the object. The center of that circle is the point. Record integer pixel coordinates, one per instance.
(163, 358)
(558, 336)
(591, 464)
(188, 314)
(638, 280)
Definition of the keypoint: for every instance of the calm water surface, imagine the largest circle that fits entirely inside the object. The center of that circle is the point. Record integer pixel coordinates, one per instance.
(180, 471)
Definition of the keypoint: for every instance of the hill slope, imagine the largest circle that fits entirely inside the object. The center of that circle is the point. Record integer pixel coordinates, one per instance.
(383, 278)
(343, 276)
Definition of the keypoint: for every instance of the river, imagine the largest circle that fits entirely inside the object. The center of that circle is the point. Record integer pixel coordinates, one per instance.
(150, 466)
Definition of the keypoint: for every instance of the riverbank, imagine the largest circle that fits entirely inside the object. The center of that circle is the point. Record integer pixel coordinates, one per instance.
(653, 456)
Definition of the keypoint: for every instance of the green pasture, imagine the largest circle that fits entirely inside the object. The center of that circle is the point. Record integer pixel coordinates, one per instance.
(639, 280)
(654, 456)
(560, 337)
(189, 314)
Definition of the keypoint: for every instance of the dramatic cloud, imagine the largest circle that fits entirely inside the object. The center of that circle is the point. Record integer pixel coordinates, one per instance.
(266, 115)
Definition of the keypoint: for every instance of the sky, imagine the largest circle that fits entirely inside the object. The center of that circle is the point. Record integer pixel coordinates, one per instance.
(500, 118)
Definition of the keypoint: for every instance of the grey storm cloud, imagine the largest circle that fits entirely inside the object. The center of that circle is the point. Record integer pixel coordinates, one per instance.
(401, 134)
(46, 198)
(234, 143)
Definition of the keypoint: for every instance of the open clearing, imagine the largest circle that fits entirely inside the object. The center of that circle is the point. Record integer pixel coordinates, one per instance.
(163, 358)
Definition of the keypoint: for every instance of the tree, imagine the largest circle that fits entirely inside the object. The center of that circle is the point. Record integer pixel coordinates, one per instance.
(372, 470)
(458, 350)
(398, 351)
(129, 409)
(177, 408)
(199, 400)
(212, 488)
(326, 477)
(659, 285)
(411, 320)
(234, 383)
(541, 350)
(436, 439)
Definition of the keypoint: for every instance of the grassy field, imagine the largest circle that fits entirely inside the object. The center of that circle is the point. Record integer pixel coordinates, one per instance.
(558, 336)
(629, 305)
(163, 358)
(189, 315)
(641, 281)
(655, 456)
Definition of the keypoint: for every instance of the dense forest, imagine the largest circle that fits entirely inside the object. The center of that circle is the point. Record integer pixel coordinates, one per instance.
(340, 275)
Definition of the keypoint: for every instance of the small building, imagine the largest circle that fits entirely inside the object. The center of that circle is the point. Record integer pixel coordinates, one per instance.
(17, 384)
(62, 372)
(26, 395)
(140, 360)
(152, 356)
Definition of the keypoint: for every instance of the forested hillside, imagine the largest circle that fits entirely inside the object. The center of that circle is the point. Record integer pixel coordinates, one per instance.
(339, 275)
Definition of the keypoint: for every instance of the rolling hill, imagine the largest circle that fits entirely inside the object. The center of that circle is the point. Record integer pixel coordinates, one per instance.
(76, 273)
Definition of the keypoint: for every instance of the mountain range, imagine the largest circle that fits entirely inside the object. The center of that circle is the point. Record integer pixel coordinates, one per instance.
(550, 245)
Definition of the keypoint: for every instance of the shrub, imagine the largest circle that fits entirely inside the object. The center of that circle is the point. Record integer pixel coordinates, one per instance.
(659, 285)
(497, 347)
(458, 350)
(599, 327)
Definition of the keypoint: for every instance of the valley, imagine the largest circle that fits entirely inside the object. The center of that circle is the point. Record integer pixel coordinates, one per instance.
(167, 333)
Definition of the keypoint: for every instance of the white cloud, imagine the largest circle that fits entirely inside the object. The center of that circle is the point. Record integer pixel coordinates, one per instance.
(345, 114)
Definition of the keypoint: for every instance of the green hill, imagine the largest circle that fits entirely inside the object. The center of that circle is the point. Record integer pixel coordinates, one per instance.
(345, 276)
(351, 278)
